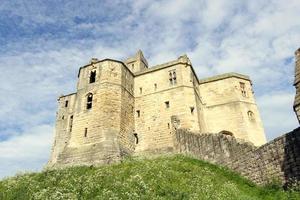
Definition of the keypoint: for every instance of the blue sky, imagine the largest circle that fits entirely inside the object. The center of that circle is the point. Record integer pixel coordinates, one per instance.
(43, 43)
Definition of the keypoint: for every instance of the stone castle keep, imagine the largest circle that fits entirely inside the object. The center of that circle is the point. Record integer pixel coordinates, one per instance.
(126, 107)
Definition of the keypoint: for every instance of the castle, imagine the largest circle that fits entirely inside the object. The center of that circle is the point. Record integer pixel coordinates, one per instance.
(126, 107)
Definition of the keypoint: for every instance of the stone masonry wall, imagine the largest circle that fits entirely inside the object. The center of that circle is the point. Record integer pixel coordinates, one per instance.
(279, 159)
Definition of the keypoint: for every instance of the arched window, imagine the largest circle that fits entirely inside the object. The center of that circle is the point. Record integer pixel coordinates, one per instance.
(93, 76)
(251, 115)
(224, 132)
(89, 101)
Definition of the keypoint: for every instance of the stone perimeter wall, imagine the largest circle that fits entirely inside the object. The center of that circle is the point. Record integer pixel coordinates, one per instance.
(279, 159)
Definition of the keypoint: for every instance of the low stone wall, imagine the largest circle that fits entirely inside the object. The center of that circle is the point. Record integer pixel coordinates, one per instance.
(277, 160)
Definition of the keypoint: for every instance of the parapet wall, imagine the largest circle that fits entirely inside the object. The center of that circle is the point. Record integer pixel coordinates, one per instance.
(277, 160)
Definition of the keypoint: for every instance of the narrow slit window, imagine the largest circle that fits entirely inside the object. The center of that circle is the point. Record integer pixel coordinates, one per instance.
(170, 78)
(89, 102)
(174, 78)
(85, 132)
(138, 113)
(155, 86)
(71, 123)
(141, 90)
(167, 103)
(136, 138)
(168, 125)
(192, 110)
(92, 76)
(66, 103)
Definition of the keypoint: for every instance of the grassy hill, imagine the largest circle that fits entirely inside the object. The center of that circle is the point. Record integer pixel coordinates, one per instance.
(175, 177)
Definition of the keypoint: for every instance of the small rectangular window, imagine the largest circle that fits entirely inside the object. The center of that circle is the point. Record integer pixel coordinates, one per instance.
(155, 86)
(168, 125)
(141, 90)
(85, 132)
(167, 103)
(138, 113)
(243, 89)
(66, 103)
(172, 77)
(92, 76)
(192, 110)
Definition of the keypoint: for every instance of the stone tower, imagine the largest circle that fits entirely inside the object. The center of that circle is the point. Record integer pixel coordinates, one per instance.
(297, 84)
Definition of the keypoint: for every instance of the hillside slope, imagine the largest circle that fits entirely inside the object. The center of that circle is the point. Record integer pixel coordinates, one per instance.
(175, 177)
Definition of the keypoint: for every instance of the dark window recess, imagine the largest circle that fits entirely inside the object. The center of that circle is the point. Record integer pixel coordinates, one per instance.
(71, 123)
(168, 125)
(138, 113)
(141, 90)
(92, 76)
(85, 132)
(66, 103)
(89, 101)
(192, 110)
(250, 115)
(243, 89)
(155, 86)
(167, 103)
(172, 77)
(63, 117)
(136, 138)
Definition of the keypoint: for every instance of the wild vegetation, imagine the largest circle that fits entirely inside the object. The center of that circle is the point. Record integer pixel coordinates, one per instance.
(173, 177)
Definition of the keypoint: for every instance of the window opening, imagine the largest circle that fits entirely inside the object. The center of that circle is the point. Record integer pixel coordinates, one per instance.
(92, 76)
(136, 138)
(138, 113)
(85, 132)
(243, 89)
(71, 123)
(250, 115)
(89, 101)
(172, 77)
(155, 86)
(66, 103)
(167, 103)
(192, 110)
(141, 90)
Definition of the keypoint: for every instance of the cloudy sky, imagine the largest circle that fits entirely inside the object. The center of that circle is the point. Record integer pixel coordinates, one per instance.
(43, 44)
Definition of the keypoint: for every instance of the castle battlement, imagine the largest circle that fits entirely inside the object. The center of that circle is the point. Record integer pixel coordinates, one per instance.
(127, 107)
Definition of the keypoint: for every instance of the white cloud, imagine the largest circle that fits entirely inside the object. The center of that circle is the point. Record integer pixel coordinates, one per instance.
(277, 113)
(26, 152)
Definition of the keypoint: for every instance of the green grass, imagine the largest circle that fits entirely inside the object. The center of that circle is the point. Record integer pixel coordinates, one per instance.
(174, 177)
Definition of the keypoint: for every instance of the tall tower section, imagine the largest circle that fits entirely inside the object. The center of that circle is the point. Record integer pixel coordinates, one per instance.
(297, 84)
(94, 122)
(230, 107)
